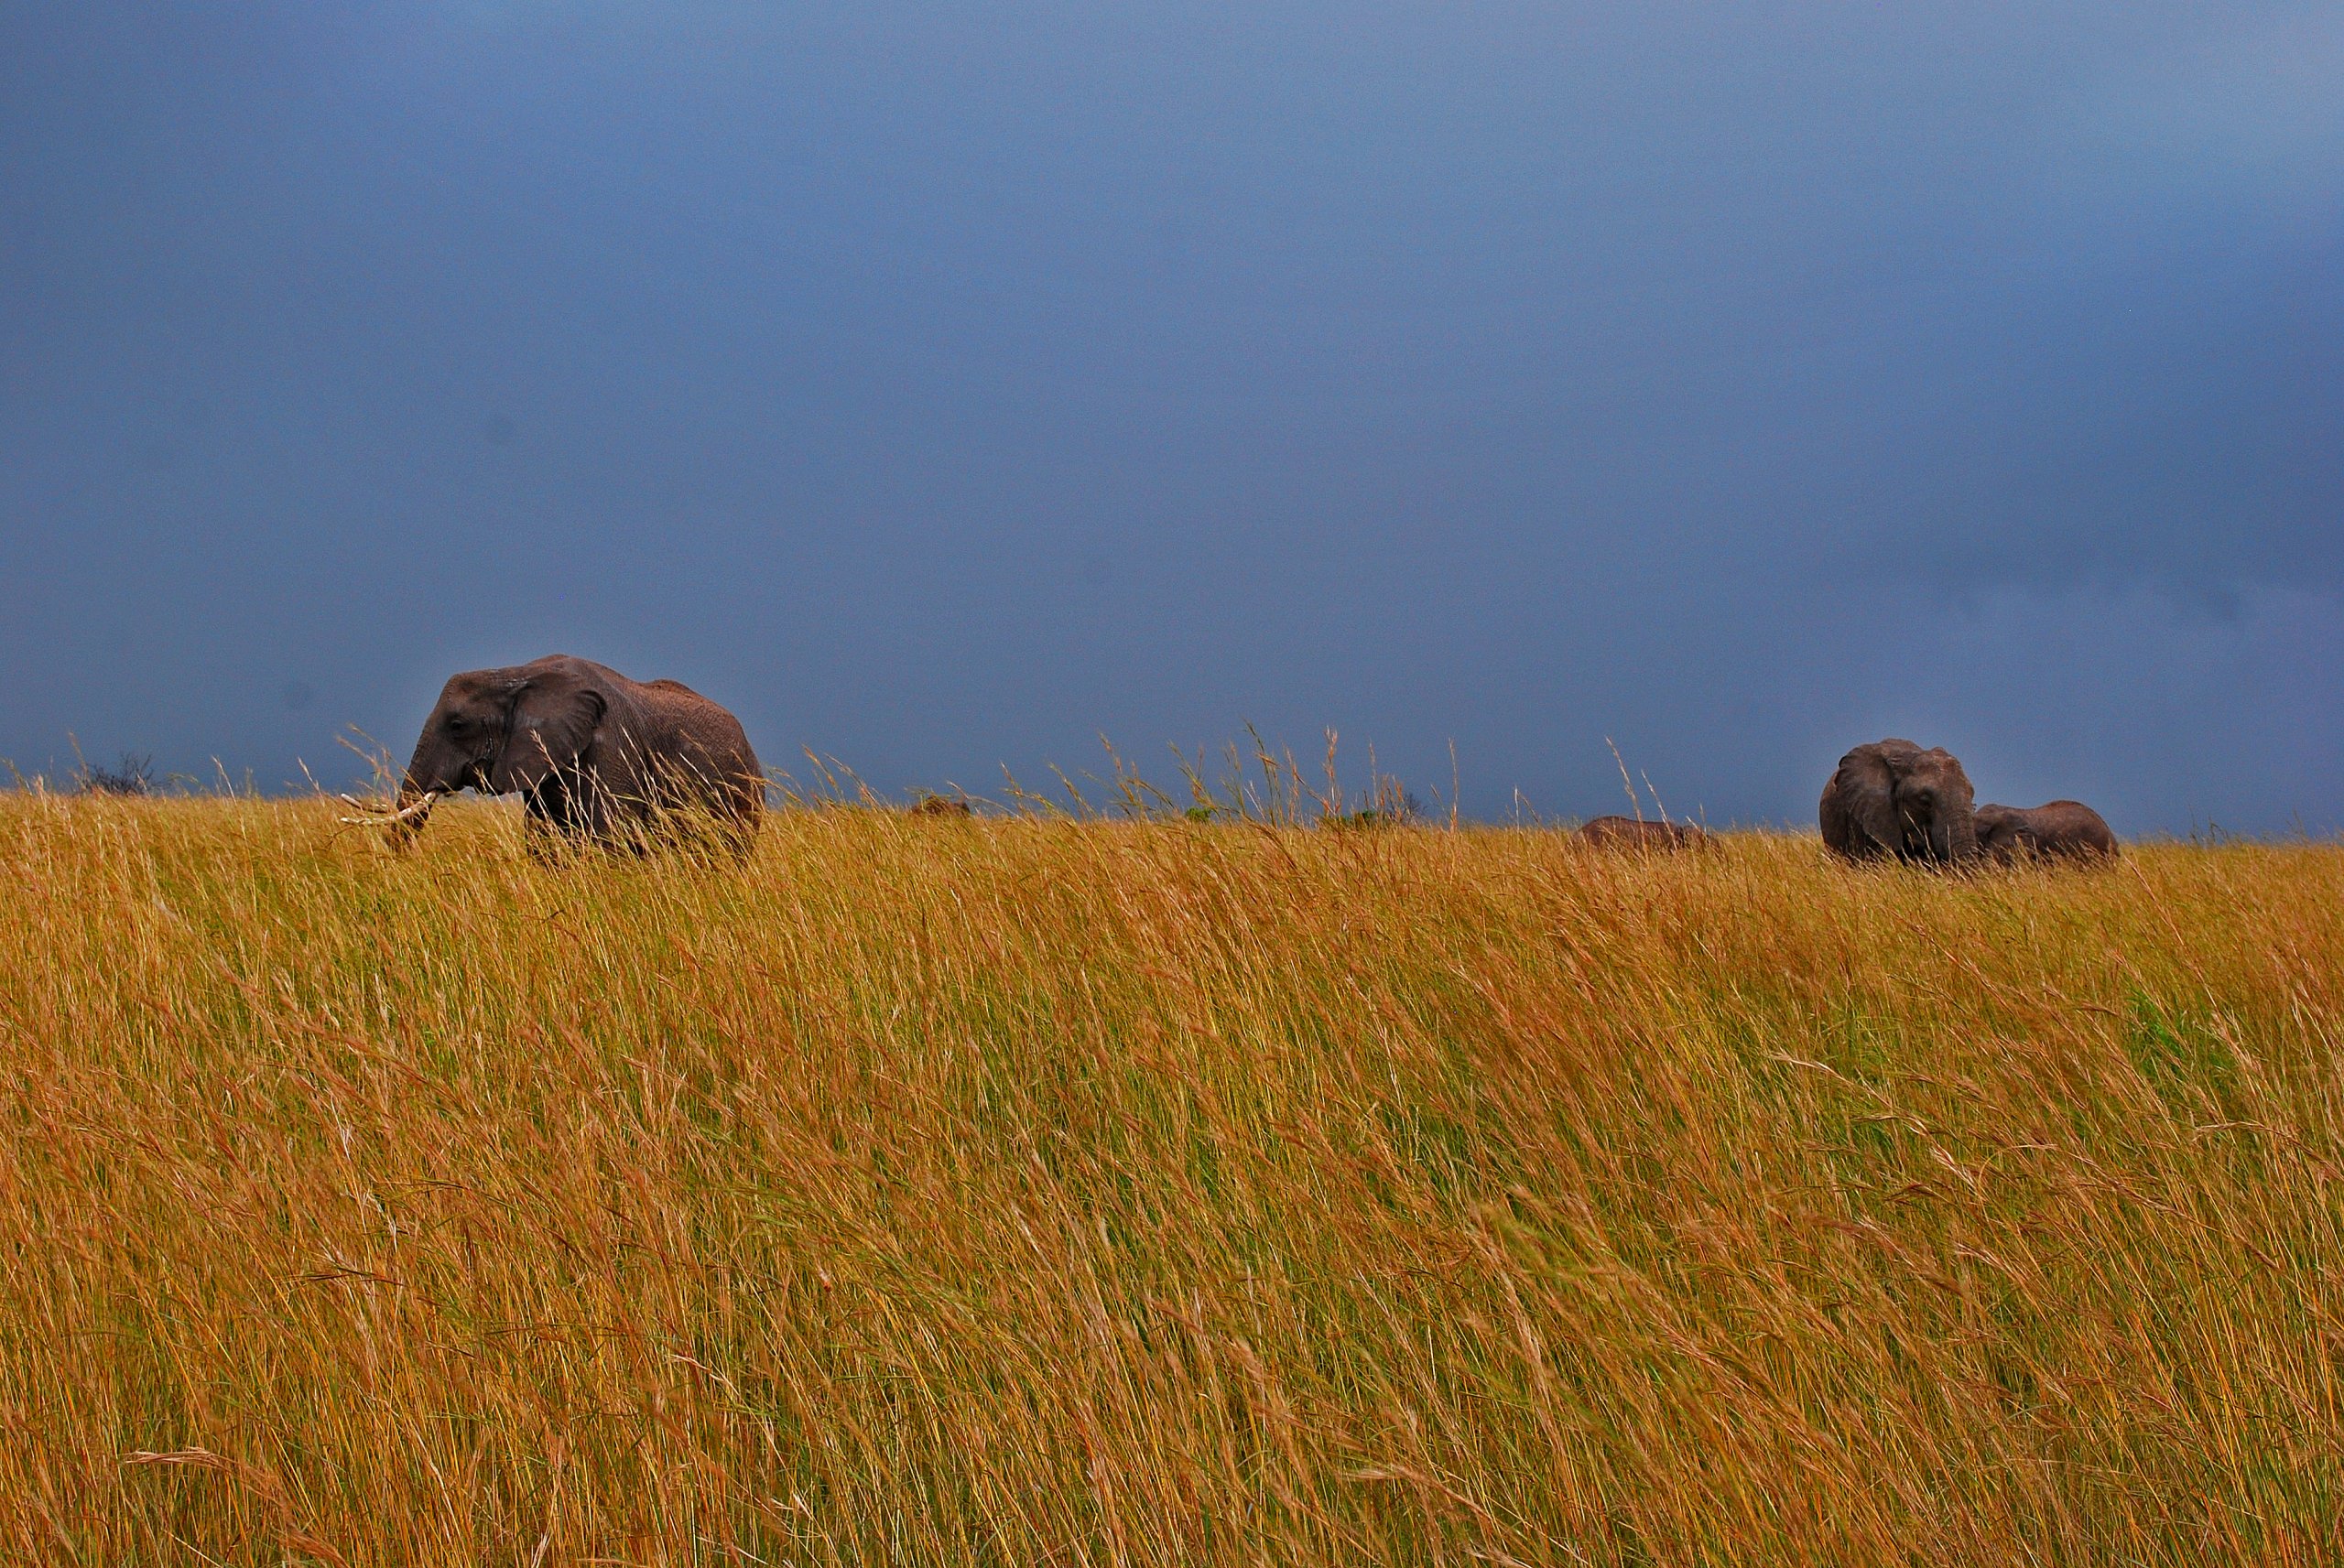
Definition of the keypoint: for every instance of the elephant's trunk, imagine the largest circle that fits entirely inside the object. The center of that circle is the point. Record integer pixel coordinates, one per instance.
(400, 828)
(1960, 837)
(437, 768)
(404, 822)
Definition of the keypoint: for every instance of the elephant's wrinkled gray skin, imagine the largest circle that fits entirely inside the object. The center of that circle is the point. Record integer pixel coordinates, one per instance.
(1629, 833)
(1893, 799)
(595, 757)
(2058, 829)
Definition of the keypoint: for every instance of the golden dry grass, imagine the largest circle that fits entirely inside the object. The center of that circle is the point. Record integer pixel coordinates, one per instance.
(1019, 1191)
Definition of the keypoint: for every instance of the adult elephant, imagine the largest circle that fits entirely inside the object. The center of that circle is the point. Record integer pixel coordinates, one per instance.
(595, 757)
(2056, 830)
(1890, 798)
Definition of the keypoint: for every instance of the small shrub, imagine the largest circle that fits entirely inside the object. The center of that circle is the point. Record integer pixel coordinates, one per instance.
(133, 774)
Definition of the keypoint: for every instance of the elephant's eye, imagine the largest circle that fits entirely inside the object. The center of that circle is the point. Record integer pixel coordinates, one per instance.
(458, 722)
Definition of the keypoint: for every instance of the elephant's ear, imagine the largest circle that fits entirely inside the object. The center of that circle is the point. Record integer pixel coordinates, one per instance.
(554, 716)
(1868, 794)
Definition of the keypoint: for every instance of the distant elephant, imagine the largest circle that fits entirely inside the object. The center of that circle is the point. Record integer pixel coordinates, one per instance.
(1892, 798)
(2060, 830)
(1628, 833)
(595, 757)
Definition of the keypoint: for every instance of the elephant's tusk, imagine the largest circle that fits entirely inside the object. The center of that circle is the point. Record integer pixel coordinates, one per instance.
(405, 813)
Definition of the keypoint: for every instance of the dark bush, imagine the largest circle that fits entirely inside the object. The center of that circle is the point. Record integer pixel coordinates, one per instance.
(133, 774)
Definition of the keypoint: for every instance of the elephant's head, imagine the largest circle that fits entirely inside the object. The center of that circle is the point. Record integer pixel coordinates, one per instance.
(1999, 829)
(1913, 804)
(522, 729)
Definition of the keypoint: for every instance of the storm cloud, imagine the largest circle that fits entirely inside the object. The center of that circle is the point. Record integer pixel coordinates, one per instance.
(944, 387)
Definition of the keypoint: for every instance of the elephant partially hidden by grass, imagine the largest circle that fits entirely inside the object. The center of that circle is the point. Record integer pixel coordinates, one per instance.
(2057, 830)
(1890, 798)
(595, 757)
(1633, 833)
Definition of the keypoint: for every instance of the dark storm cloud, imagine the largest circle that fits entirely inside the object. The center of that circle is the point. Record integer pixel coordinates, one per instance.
(944, 385)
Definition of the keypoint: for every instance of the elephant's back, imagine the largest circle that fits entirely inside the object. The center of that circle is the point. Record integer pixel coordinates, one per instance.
(708, 737)
(2074, 825)
(1618, 832)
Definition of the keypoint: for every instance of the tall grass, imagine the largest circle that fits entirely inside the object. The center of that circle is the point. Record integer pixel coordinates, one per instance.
(936, 1191)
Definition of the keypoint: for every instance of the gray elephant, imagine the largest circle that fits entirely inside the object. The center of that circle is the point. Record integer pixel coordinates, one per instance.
(1631, 833)
(595, 757)
(1890, 798)
(2056, 831)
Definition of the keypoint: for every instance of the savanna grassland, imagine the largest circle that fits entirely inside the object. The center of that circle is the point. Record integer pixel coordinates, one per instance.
(1025, 1191)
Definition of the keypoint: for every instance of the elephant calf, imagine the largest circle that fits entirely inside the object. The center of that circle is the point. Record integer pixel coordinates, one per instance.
(595, 757)
(1629, 833)
(1890, 799)
(2059, 829)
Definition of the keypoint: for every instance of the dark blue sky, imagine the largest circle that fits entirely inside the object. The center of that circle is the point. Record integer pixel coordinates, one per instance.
(940, 385)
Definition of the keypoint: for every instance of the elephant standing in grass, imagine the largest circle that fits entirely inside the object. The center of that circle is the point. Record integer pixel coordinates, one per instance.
(1632, 833)
(2059, 829)
(595, 757)
(1892, 799)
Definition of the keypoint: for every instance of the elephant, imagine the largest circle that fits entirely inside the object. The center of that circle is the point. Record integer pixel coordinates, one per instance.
(595, 757)
(1631, 833)
(1892, 798)
(2058, 829)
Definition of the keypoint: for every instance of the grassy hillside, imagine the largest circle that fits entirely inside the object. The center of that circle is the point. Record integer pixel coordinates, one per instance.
(1019, 1191)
